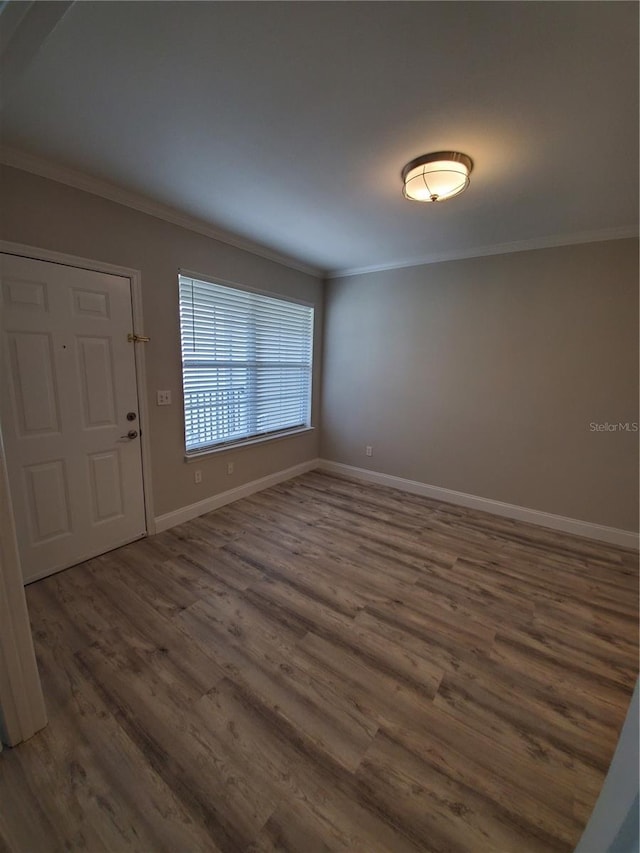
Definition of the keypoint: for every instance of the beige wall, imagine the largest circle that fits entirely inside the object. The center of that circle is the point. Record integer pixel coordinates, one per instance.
(480, 375)
(484, 375)
(48, 215)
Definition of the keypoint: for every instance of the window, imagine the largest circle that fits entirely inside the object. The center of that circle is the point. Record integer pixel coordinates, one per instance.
(246, 363)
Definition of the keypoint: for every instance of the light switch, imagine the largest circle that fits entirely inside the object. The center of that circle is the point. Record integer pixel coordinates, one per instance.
(163, 398)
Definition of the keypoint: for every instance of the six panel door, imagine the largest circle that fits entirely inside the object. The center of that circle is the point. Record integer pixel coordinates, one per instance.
(68, 384)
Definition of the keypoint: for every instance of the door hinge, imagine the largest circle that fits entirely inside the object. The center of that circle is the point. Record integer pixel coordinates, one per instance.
(137, 339)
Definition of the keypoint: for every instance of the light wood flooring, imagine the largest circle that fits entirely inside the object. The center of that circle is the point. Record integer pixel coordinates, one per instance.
(327, 666)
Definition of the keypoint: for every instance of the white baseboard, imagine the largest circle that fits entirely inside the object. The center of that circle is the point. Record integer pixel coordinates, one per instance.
(612, 535)
(186, 513)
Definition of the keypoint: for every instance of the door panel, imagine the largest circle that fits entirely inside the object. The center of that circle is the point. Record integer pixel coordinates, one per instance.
(26, 294)
(87, 303)
(48, 500)
(106, 486)
(34, 387)
(96, 375)
(68, 381)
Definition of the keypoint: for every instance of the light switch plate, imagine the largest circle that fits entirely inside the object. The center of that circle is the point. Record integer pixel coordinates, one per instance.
(163, 398)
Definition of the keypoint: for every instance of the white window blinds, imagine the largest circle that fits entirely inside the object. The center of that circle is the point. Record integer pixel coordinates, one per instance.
(246, 363)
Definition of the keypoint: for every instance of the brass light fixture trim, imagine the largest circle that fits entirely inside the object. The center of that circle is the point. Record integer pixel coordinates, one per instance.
(437, 176)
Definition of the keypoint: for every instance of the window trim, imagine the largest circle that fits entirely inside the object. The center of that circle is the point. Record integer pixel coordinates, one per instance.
(194, 455)
(227, 282)
(263, 438)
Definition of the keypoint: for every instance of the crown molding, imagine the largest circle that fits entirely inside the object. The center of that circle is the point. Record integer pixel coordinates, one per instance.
(105, 189)
(548, 242)
(96, 186)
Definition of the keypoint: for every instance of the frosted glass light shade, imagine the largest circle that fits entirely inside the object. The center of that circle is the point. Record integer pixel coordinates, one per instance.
(436, 177)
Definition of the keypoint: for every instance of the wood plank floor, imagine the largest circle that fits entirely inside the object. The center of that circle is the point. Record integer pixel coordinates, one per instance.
(326, 666)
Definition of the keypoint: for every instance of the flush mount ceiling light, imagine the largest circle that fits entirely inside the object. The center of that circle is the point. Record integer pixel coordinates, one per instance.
(436, 177)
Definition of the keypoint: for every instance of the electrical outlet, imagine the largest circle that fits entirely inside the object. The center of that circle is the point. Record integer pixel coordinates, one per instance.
(163, 398)
(197, 476)
(229, 467)
(368, 450)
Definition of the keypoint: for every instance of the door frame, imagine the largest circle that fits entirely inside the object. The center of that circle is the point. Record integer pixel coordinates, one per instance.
(135, 280)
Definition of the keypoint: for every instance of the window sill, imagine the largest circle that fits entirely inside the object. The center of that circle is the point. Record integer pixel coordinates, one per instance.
(247, 442)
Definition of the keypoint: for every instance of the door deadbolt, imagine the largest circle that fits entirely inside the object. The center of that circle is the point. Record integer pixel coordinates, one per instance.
(131, 416)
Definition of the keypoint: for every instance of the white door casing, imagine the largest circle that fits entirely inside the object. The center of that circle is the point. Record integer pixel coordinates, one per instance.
(68, 382)
(22, 709)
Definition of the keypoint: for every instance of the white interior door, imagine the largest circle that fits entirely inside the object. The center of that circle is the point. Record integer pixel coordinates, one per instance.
(69, 412)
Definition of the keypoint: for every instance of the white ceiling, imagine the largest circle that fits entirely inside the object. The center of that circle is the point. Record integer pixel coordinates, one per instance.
(289, 123)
